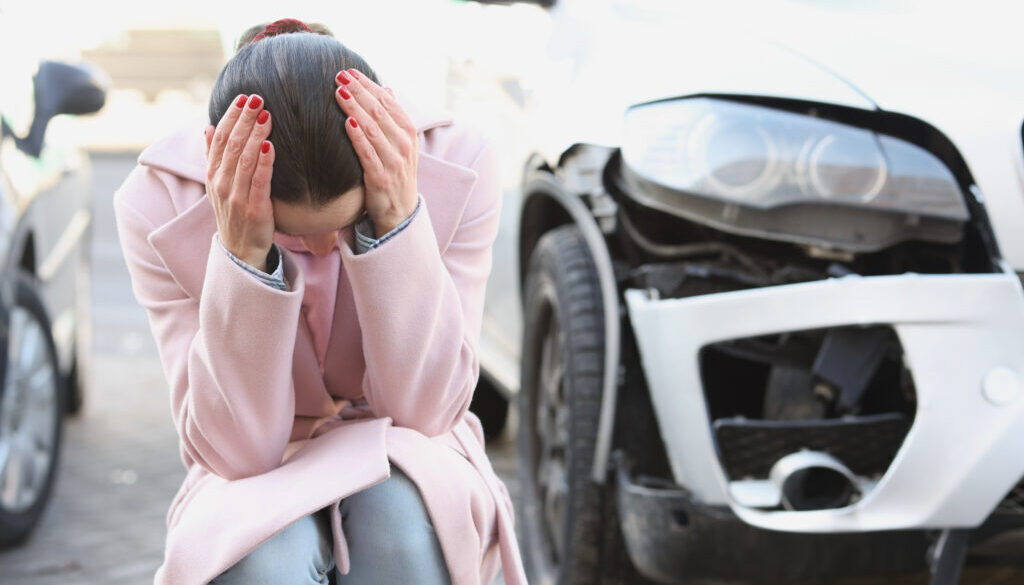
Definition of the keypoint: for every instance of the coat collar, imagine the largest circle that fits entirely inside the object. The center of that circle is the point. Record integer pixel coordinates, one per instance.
(183, 242)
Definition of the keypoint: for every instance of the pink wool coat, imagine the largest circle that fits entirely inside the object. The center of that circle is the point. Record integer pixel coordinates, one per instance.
(281, 415)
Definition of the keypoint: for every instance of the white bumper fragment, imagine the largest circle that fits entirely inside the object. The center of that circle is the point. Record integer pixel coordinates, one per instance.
(963, 341)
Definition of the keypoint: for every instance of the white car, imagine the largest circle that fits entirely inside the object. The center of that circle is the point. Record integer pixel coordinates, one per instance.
(757, 286)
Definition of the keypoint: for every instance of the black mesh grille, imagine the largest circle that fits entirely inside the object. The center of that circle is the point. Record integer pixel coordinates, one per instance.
(1013, 503)
(866, 444)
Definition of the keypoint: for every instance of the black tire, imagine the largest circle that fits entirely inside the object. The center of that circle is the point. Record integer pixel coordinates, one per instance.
(563, 320)
(491, 407)
(17, 522)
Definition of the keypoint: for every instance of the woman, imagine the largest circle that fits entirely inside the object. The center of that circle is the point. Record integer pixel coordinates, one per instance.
(314, 276)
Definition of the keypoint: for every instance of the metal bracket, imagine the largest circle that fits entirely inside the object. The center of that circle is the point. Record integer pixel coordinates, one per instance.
(946, 558)
(605, 210)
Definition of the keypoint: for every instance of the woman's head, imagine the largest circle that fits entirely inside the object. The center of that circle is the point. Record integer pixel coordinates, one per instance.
(294, 74)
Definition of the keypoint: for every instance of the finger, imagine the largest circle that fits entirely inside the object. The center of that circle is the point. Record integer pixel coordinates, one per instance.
(259, 187)
(371, 97)
(223, 130)
(240, 135)
(208, 137)
(391, 142)
(386, 95)
(373, 168)
(251, 153)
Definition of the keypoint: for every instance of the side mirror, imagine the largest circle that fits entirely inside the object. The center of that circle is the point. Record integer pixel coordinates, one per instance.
(61, 88)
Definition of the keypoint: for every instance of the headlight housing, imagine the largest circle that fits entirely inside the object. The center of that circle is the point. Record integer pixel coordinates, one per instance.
(774, 167)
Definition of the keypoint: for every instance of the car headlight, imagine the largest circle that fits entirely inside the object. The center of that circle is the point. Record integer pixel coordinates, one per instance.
(764, 158)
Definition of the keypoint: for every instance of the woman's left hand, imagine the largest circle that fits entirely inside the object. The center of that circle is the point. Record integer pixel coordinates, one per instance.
(384, 138)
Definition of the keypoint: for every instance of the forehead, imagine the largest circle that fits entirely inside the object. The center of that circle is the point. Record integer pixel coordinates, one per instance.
(304, 219)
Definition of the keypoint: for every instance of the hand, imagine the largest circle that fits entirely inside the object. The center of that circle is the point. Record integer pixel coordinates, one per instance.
(384, 138)
(239, 165)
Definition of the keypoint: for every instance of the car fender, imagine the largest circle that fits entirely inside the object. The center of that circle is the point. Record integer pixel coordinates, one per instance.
(549, 205)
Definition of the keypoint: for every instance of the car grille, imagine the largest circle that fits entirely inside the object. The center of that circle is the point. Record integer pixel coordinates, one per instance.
(1013, 503)
(865, 444)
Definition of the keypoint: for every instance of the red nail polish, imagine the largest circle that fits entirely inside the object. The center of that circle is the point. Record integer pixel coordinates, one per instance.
(352, 121)
(255, 102)
(262, 117)
(343, 78)
(265, 147)
(353, 73)
(344, 94)
(241, 100)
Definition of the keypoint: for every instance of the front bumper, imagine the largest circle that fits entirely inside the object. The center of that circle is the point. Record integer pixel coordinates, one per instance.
(963, 341)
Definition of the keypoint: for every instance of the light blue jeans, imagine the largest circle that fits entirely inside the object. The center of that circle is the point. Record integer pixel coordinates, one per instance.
(390, 539)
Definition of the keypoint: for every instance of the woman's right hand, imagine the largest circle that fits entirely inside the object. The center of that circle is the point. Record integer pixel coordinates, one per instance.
(239, 166)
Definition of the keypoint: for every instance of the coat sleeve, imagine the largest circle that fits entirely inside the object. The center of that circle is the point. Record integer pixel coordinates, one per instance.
(420, 311)
(232, 396)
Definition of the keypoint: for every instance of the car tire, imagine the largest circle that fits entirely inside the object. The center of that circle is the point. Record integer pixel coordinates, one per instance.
(32, 387)
(562, 528)
(491, 407)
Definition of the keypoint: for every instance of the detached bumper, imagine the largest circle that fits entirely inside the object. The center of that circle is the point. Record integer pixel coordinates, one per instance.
(963, 341)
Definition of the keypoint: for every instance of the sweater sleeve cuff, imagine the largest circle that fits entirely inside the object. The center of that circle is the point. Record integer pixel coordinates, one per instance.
(364, 241)
(274, 278)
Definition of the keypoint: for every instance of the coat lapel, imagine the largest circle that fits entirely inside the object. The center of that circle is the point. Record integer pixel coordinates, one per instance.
(183, 244)
(445, 188)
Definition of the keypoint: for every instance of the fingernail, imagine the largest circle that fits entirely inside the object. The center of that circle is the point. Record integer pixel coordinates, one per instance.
(262, 117)
(255, 102)
(344, 94)
(352, 122)
(343, 78)
(353, 73)
(265, 147)
(241, 100)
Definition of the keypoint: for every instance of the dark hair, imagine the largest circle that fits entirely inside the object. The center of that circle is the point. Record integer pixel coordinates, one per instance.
(294, 74)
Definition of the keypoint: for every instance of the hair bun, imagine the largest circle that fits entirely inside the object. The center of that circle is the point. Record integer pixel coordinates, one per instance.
(283, 26)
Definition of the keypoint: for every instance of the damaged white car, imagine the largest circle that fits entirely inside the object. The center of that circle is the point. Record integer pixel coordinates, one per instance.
(760, 302)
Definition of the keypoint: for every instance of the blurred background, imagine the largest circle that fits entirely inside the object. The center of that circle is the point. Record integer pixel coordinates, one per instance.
(120, 468)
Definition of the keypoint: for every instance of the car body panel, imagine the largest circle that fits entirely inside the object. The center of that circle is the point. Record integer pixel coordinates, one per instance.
(46, 200)
(962, 452)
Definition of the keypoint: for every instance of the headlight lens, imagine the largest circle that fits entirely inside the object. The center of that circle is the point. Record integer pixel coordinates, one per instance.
(766, 158)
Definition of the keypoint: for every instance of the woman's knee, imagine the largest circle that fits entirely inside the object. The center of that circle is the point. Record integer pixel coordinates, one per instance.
(392, 506)
(301, 553)
(390, 535)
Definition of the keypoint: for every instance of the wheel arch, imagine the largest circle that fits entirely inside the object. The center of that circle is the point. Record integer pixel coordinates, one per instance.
(546, 206)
